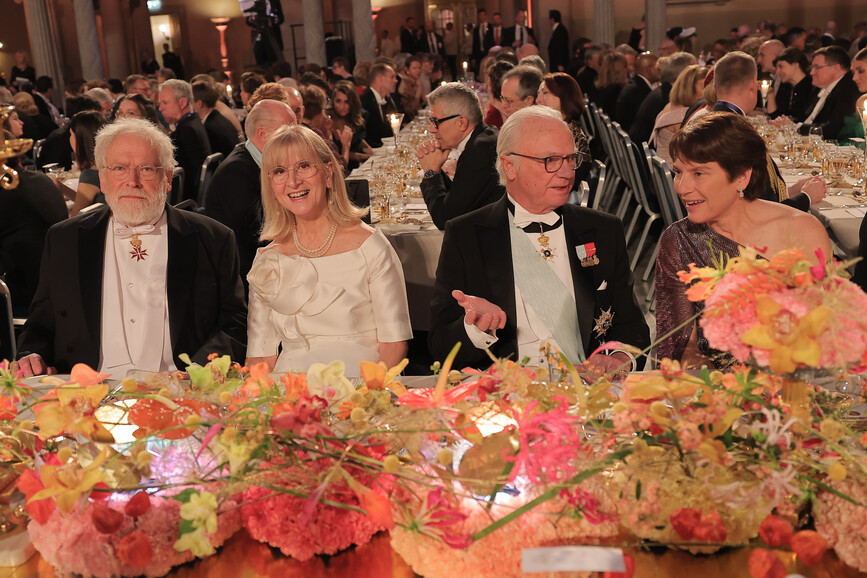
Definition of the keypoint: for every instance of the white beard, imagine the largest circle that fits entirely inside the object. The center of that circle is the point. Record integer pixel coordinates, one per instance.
(135, 212)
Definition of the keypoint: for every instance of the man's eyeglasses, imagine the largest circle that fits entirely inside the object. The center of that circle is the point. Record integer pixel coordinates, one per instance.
(818, 66)
(303, 170)
(554, 163)
(436, 121)
(144, 172)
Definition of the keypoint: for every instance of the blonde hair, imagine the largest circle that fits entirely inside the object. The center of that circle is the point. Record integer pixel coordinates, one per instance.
(683, 90)
(280, 222)
(24, 104)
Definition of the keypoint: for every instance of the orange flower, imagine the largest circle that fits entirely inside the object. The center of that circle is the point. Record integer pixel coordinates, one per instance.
(765, 564)
(791, 341)
(30, 484)
(776, 532)
(810, 546)
(296, 386)
(72, 412)
(377, 376)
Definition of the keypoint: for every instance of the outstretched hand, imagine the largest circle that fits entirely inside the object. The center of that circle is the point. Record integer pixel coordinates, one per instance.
(480, 312)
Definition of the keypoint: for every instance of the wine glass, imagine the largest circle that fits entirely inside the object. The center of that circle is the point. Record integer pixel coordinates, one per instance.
(816, 134)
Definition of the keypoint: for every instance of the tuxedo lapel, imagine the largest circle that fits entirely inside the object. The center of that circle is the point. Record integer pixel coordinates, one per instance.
(91, 263)
(181, 271)
(583, 278)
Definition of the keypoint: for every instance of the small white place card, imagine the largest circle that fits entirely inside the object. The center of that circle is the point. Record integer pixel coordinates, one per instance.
(572, 559)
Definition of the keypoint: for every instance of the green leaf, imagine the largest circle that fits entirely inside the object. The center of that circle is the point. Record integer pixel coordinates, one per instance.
(185, 358)
(186, 527)
(222, 363)
(200, 376)
(184, 496)
(638, 490)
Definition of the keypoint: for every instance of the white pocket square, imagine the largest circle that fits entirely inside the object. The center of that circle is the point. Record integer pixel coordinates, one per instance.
(603, 287)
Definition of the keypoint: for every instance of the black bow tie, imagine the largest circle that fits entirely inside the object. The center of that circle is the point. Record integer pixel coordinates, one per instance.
(542, 227)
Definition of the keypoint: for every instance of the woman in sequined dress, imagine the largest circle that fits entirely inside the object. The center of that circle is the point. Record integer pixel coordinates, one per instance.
(720, 172)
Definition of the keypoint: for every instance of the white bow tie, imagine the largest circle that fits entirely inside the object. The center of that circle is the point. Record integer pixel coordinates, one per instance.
(127, 232)
(522, 219)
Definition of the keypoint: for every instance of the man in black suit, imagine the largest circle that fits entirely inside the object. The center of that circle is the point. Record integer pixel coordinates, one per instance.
(480, 38)
(136, 283)
(558, 46)
(837, 93)
(189, 137)
(587, 76)
(459, 163)
(234, 196)
(407, 36)
(564, 278)
(222, 135)
(42, 97)
(376, 100)
(654, 102)
(736, 82)
(519, 35)
(636, 90)
(431, 42)
(496, 31)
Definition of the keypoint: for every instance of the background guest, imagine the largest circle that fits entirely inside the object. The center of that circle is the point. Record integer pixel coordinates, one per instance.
(410, 89)
(189, 137)
(613, 76)
(136, 106)
(520, 88)
(560, 92)
(558, 45)
(22, 69)
(494, 82)
(793, 98)
(687, 89)
(222, 136)
(836, 97)
(636, 90)
(346, 111)
(652, 105)
(36, 125)
(82, 139)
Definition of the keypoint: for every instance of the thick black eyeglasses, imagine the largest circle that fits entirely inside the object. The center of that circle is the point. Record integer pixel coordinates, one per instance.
(436, 121)
(553, 163)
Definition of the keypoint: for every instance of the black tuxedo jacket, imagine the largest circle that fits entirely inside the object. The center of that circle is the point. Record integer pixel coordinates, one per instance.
(629, 101)
(558, 48)
(407, 40)
(586, 79)
(839, 104)
(424, 44)
(475, 184)
(191, 147)
(56, 149)
(207, 312)
(482, 42)
(650, 107)
(222, 135)
(377, 126)
(234, 198)
(509, 35)
(476, 258)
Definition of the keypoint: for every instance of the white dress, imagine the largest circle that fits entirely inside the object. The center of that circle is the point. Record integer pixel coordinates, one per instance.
(337, 307)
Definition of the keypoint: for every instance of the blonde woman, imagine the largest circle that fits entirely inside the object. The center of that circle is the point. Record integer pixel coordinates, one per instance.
(328, 287)
(687, 89)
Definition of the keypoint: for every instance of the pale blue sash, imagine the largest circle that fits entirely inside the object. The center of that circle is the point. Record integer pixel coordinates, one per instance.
(545, 293)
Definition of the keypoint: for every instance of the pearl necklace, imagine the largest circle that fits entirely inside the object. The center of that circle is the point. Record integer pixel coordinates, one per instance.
(318, 251)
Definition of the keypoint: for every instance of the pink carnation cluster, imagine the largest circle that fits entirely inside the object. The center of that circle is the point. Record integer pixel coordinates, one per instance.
(277, 521)
(723, 331)
(498, 555)
(842, 523)
(72, 544)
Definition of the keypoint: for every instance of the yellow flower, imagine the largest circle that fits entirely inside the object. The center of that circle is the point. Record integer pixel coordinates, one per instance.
(72, 413)
(66, 483)
(654, 385)
(201, 510)
(197, 542)
(837, 472)
(833, 430)
(791, 341)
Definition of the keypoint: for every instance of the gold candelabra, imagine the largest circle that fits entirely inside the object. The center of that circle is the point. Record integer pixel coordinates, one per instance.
(10, 148)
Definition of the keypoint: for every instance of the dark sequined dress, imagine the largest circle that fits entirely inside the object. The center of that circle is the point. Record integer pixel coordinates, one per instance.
(682, 243)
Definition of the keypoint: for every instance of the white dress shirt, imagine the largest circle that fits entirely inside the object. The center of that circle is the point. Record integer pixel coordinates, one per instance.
(135, 312)
(532, 333)
(823, 96)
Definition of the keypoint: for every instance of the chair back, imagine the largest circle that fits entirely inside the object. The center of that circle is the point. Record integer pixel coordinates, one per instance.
(176, 195)
(209, 167)
(7, 327)
(665, 185)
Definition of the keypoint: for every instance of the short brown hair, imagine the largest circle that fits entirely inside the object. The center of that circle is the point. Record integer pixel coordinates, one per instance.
(734, 70)
(314, 100)
(729, 140)
(567, 90)
(206, 92)
(268, 91)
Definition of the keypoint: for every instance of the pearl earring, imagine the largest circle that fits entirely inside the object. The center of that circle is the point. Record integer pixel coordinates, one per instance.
(741, 192)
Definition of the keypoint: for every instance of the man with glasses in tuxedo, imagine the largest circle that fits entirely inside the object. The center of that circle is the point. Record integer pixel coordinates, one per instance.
(458, 163)
(531, 270)
(134, 284)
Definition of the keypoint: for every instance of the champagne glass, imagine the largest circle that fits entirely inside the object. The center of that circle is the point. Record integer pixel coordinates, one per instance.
(816, 134)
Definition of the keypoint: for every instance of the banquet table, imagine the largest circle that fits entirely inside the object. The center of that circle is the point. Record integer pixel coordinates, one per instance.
(417, 242)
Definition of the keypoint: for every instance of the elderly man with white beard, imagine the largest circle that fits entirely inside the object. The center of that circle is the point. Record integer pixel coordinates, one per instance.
(136, 283)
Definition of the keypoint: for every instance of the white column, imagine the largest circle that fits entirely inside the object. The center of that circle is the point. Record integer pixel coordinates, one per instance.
(43, 44)
(655, 25)
(362, 30)
(603, 22)
(314, 32)
(88, 41)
